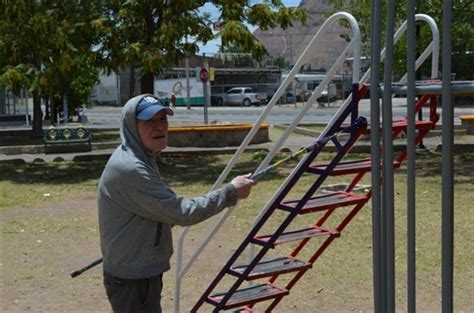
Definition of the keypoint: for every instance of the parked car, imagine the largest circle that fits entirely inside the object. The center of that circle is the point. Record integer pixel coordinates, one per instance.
(245, 96)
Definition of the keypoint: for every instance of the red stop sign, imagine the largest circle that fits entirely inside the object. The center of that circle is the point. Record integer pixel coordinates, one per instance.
(204, 74)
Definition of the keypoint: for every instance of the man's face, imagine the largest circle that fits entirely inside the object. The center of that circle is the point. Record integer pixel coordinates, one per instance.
(154, 132)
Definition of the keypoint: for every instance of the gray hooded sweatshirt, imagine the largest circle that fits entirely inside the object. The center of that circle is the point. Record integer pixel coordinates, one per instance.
(136, 208)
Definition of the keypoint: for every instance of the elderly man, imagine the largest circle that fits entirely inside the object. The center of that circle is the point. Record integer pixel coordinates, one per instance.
(137, 209)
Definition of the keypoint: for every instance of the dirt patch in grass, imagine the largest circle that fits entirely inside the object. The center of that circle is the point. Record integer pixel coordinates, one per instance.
(44, 241)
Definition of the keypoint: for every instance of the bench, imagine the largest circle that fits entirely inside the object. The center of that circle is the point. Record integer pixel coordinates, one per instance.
(67, 139)
(468, 122)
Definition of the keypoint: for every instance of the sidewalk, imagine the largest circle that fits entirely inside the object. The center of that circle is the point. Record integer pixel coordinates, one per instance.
(107, 117)
(294, 143)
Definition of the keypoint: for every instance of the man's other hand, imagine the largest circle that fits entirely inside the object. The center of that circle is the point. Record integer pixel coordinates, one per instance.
(243, 185)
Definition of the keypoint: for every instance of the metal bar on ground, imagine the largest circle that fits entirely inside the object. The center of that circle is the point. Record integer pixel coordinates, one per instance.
(87, 267)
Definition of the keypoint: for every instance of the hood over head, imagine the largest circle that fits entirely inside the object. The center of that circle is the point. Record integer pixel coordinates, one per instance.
(129, 135)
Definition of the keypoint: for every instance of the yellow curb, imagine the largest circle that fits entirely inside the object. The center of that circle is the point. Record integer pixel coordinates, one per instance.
(469, 117)
(205, 128)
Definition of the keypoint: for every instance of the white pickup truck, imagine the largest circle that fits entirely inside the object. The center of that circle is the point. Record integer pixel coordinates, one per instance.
(239, 96)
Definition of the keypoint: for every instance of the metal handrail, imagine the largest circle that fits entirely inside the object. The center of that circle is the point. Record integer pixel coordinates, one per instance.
(354, 44)
(432, 48)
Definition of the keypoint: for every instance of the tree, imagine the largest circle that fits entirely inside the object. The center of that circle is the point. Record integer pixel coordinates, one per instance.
(151, 34)
(280, 62)
(43, 46)
(237, 55)
(462, 31)
(46, 45)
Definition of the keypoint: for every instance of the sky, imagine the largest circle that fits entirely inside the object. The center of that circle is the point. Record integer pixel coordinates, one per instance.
(212, 46)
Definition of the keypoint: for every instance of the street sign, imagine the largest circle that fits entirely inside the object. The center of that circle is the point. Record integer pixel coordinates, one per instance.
(204, 74)
(211, 74)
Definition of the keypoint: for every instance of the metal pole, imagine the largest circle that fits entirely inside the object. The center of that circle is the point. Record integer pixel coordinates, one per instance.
(188, 92)
(376, 15)
(388, 195)
(27, 109)
(411, 175)
(205, 94)
(119, 87)
(65, 110)
(3, 100)
(15, 99)
(447, 196)
(418, 74)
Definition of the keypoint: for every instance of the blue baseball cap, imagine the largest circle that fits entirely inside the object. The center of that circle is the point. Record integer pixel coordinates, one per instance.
(149, 106)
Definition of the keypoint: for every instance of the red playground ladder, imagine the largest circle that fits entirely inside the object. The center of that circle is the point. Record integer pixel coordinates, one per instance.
(267, 291)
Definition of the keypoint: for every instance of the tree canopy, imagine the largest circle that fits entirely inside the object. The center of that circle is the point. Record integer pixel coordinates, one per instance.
(55, 48)
(153, 35)
(462, 31)
(45, 48)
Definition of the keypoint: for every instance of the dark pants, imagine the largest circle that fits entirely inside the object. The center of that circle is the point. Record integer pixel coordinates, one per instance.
(134, 295)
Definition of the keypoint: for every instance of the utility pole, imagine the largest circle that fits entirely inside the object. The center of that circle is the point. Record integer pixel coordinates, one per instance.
(291, 65)
(188, 91)
(204, 77)
(291, 48)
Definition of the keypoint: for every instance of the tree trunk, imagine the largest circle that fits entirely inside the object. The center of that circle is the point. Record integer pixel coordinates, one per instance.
(46, 108)
(54, 105)
(37, 131)
(147, 82)
(131, 85)
(3, 101)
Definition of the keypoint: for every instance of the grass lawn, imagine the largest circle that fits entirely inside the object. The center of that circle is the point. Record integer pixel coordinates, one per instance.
(340, 281)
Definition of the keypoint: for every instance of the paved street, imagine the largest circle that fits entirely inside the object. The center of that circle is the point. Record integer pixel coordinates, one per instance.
(100, 116)
(109, 116)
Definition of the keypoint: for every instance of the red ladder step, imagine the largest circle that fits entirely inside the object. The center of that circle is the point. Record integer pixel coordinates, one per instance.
(325, 202)
(241, 310)
(271, 267)
(300, 234)
(249, 296)
(400, 125)
(346, 167)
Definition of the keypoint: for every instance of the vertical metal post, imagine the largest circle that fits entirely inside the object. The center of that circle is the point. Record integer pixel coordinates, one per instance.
(27, 108)
(15, 99)
(188, 91)
(3, 99)
(65, 110)
(119, 87)
(376, 19)
(205, 94)
(21, 100)
(388, 189)
(411, 175)
(9, 97)
(447, 196)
